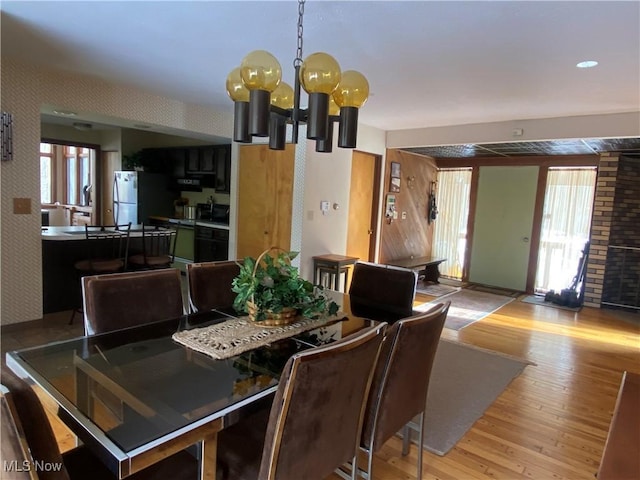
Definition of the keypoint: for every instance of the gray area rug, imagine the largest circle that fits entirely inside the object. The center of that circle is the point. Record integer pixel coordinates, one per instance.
(468, 306)
(435, 289)
(465, 381)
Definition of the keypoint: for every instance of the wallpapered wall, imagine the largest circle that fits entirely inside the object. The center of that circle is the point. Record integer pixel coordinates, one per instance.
(24, 90)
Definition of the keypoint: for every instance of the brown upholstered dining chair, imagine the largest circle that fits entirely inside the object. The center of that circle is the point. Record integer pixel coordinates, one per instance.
(316, 417)
(401, 381)
(209, 285)
(385, 286)
(126, 299)
(158, 248)
(78, 463)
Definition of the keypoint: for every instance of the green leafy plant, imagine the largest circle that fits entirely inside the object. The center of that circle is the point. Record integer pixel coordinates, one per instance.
(133, 161)
(273, 284)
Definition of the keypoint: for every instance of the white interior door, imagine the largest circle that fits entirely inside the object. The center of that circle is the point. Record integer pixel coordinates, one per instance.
(503, 225)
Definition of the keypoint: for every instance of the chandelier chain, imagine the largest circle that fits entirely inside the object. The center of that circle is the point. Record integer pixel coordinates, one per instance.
(298, 60)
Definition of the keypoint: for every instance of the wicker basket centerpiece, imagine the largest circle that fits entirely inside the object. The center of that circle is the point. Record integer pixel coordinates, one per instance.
(271, 292)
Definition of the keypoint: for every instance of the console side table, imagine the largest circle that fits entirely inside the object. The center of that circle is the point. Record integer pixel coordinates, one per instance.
(333, 265)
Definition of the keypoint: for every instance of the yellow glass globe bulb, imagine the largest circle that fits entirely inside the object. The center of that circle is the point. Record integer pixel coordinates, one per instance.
(235, 87)
(282, 96)
(334, 109)
(260, 71)
(320, 73)
(353, 90)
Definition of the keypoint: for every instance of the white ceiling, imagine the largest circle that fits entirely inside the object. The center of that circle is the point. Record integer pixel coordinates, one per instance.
(428, 63)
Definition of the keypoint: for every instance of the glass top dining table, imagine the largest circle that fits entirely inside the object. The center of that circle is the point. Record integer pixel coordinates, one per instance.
(135, 395)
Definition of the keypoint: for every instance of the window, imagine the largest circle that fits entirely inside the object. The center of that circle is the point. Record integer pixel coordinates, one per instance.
(450, 231)
(67, 167)
(46, 173)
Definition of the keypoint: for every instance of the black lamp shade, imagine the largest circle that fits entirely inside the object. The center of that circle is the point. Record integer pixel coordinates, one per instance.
(318, 120)
(241, 122)
(277, 131)
(325, 145)
(348, 131)
(259, 101)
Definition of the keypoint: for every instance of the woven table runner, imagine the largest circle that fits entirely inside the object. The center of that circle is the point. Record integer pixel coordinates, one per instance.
(237, 335)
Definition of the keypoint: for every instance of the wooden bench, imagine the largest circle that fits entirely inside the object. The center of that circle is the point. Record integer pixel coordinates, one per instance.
(621, 456)
(426, 266)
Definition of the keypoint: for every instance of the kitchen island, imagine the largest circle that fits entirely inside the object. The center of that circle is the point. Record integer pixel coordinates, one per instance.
(62, 247)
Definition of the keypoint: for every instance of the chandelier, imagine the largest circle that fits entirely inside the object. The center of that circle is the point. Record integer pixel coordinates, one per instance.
(264, 104)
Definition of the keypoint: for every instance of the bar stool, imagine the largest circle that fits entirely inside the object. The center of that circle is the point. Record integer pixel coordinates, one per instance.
(333, 266)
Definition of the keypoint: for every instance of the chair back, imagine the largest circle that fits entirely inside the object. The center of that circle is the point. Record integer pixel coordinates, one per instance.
(316, 416)
(122, 300)
(158, 248)
(385, 287)
(209, 285)
(35, 426)
(399, 388)
(107, 247)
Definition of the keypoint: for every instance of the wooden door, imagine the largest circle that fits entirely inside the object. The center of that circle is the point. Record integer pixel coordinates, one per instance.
(363, 195)
(265, 198)
(108, 165)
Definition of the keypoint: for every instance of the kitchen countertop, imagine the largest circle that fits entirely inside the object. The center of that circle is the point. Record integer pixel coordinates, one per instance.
(76, 232)
(191, 223)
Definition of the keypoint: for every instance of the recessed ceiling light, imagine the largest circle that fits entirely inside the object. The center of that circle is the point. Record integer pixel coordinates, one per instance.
(65, 113)
(587, 64)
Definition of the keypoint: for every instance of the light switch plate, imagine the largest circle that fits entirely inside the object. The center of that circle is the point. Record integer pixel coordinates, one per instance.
(22, 206)
(324, 207)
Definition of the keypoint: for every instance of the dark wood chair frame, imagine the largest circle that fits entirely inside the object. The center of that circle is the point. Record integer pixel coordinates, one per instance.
(158, 248)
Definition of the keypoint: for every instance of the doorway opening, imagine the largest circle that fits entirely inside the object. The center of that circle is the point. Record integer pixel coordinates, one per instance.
(566, 222)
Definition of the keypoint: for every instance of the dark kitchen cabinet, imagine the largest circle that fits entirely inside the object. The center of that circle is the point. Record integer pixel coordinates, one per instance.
(201, 160)
(211, 244)
(223, 168)
(165, 160)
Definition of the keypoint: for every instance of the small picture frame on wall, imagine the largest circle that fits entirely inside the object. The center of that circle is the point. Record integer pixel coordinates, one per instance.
(394, 185)
(395, 170)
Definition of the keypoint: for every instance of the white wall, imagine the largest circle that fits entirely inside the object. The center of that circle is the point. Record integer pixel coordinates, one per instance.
(328, 177)
(24, 90)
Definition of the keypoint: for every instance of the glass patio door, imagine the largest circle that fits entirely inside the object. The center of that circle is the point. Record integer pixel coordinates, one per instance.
(566, 221)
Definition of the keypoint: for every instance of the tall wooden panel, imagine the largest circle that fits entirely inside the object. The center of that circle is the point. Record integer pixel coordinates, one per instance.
(265, 198)
(109, 164)
(362, 222)
(413, 234)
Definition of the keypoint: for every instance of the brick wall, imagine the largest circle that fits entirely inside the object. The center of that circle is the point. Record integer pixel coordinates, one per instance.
(600, 229)
(622, 273)
(613, 274)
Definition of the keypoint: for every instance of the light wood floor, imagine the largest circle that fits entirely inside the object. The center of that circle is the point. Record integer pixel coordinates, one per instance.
(550, 423)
